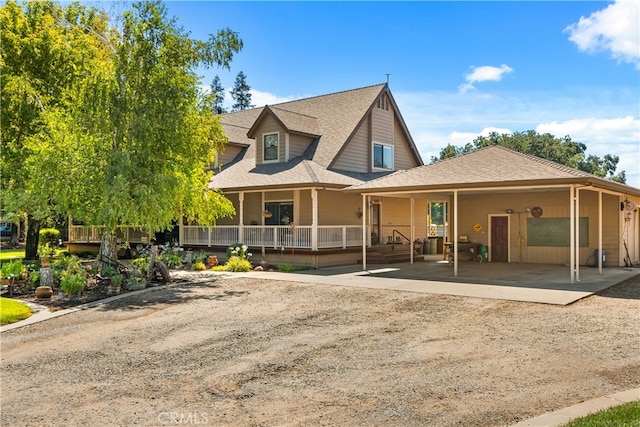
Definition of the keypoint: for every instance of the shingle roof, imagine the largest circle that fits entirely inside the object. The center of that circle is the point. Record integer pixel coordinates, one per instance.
(332, 118)
(291, 121)
(490, 166)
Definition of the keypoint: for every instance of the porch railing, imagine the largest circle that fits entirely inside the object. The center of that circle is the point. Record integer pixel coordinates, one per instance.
(277, 237)
(273, 236)
(93, 234)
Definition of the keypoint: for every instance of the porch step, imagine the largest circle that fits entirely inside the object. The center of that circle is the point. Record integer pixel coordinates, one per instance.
(388, 254)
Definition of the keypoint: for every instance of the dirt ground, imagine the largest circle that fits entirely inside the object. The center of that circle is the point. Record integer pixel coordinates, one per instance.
(245, 352)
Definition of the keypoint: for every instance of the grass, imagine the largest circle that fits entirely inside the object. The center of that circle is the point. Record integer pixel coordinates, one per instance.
(11, 311)
(625, 415)
(11, 254)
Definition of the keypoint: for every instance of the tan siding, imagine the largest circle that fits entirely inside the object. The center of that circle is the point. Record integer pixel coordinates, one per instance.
(233, 220)
(335, 208)
(555, 204)
(403, 159)
(269, 125)
(297, 145)
(230, 152)
(305, 215)
(356, 156)
(396, 215)
(252, 209)
(382, 126)
(277, 196)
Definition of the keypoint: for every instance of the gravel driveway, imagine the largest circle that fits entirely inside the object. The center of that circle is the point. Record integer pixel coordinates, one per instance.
(247, 352)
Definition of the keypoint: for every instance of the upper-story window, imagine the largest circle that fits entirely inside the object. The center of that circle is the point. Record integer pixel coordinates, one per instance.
(382, 156)
(270, 147)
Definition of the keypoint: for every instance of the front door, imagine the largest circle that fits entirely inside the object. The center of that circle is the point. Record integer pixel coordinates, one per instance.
(375, 224)
(499, 239)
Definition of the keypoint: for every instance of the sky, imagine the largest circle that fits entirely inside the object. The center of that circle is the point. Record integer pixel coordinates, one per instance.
(457, 69)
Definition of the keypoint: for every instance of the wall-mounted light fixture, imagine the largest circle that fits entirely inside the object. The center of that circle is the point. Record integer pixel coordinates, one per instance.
(509, 211)
(527, 210)
(359, 213)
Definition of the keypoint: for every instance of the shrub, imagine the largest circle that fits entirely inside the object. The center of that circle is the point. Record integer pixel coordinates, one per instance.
(239, 251)
(286, 268)
(12, 269)
(199, 266)
(237, 264)
(72, 283)
(200, 256)
(141, 264)
(49, 236)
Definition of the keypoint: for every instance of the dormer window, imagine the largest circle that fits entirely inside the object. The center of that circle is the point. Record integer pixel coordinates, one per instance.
(382, 156)
(270, 147)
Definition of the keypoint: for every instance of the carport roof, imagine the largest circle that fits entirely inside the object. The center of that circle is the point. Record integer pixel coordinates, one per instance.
(493, 166)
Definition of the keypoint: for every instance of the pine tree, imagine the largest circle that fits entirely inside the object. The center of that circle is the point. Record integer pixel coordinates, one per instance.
(241, 93)
(218, 91)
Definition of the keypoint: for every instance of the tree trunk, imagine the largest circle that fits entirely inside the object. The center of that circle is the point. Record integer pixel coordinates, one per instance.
(108, 251)
(33, 238)
(151, 269)
(14, 240)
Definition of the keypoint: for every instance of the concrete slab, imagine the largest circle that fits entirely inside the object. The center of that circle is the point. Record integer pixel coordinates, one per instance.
(547, 284)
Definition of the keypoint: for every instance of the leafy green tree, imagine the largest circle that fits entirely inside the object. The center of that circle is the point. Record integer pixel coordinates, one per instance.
(42, 56)
(241, 93)
(560, 150)
(130, 144)
(218, 92)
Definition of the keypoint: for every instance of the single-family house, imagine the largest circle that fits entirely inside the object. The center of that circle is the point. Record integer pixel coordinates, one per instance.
(284, 169)
(337, 179)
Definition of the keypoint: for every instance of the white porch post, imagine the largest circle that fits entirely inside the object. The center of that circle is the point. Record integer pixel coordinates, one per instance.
(599, 232)
(572, 230)
(413, 231)
(577, 232)
(364, 232)
(314, 221)
(241, 217)
(455, 233)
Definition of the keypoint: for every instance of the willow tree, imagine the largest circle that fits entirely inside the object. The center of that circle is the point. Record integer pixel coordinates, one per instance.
(42, 58)
(131, 145)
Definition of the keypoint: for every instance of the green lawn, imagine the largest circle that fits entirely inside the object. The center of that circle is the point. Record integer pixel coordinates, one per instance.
(11, 254)
(626, 415)
(11, 311)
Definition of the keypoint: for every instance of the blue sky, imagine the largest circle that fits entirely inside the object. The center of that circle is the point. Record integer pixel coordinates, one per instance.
(457, 69)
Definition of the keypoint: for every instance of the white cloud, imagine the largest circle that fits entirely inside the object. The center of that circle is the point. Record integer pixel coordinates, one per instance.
(483, 74)
(614, 28)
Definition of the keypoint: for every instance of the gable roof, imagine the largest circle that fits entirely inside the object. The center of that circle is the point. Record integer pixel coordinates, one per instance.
(493, 166)
(331, 119)
(291, 121)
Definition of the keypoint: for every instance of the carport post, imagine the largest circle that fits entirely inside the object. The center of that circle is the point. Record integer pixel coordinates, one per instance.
(599, 232)
(572, 231)
(413, 231)
(455, 233)
(364, 232)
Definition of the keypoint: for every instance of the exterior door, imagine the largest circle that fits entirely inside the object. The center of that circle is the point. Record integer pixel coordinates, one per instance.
(375, 224)
(499, 239)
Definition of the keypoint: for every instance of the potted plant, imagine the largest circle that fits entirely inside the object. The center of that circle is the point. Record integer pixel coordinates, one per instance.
(116, 281)
(13, 272)
(72, 284)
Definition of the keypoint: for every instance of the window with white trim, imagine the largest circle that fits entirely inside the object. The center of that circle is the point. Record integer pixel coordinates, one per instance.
(382, 156)
(270, 147)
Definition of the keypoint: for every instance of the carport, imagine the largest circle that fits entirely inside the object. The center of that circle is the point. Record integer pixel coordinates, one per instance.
(584, 209)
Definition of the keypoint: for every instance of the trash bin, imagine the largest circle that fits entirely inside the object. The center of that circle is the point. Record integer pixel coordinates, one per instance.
(483, 252)
(433, 246)
(596, 254)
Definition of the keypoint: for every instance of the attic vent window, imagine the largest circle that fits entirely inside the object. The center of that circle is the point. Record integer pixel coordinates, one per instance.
(270, 147)
(382, 156)
(383, 104)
